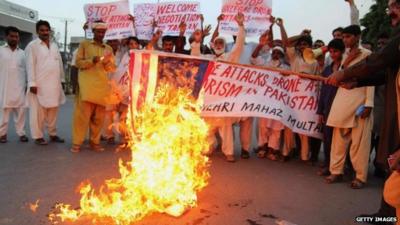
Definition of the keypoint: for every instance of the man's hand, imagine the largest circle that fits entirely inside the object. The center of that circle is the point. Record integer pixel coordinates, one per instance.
(108, 56)
(351, 2)
(396, 161)
(182, 28)
(366, 113)
(272, 20)
(154, 24)
(279, 22)
(264, 39)
(335, 78)
(220, 18)
(349, 84)
(96, 59)
(85, 26)
(33, 90)
(207, 31)
(239, 18)
(158, 34)
(131, 18)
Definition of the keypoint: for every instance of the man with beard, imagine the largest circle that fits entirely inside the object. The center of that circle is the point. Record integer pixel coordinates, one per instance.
(269, 130)
(369, 72)
(295, 48)
(224, 125)
(45, 94)
(12, 85)
(94, 60)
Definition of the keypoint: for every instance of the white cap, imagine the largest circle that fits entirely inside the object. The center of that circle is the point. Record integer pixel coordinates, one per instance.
(278, 48)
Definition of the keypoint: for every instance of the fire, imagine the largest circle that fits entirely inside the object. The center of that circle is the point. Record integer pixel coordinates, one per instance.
(166, 171)
(34, 206)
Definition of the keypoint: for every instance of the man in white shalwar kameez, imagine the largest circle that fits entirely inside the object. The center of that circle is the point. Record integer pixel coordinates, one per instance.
(270, 130)
(224, 124)
(12, 85)
(45, 75)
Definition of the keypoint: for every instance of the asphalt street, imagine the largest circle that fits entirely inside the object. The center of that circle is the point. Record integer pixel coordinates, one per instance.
(248, 192)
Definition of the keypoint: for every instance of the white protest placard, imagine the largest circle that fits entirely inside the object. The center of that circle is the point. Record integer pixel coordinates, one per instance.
(144, 13)
(233, 90)
(170, 14)
(257, 14)
(115, 14)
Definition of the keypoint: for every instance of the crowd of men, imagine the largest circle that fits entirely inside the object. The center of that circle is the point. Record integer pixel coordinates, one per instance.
(357, 105)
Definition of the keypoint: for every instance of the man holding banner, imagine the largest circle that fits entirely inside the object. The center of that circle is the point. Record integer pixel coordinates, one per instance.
(295, 47)
(354, 124)
(224, 125)
(94, 60)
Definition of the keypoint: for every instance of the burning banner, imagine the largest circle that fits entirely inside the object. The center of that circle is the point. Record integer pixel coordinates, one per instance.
(232, 90)
(169, 94)
(167, 168)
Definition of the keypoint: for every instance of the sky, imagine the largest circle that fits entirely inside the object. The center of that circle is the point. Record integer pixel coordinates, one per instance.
(321, 16)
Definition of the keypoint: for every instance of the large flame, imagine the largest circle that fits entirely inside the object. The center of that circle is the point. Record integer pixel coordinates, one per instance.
(166, 171)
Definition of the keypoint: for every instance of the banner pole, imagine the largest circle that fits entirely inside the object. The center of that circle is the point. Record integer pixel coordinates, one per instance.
(281, 71)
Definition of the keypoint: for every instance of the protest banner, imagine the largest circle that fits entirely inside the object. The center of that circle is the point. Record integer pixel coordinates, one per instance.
(257, 15)
(115, 14)
(145, 14)
(168, 16)
(232, 90)
(171, 14)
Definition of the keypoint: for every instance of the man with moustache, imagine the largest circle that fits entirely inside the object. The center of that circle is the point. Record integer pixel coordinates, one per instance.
(12, 85)
(94, 61)
(382, 66)
(45, 75)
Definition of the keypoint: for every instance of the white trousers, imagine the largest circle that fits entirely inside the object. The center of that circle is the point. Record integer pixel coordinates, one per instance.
(19, 120)
(39, 117)
(267, 135)
(290, 143)
(224, 127)
(359, 139)
(246, 126)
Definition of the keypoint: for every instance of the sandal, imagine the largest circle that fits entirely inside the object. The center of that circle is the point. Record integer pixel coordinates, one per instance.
(357, 184)
(75, 149)
(334, 178)
(273, 155)
(262, 154)
(324, 172)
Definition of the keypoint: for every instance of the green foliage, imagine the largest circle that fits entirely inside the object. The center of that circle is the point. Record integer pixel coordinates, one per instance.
(376, 21)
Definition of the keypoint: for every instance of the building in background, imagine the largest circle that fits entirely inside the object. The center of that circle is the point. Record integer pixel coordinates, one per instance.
(19, 16)
(74, 43)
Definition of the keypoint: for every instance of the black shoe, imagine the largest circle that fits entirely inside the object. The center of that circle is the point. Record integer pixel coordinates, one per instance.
(23, 138)
(284, 158)
(244, 154)
(56, 139)
(40, 141)
(3, 139)
(323, 172)
(111, 141)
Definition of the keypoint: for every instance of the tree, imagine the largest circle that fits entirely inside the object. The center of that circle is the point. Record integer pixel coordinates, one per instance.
(376, 21)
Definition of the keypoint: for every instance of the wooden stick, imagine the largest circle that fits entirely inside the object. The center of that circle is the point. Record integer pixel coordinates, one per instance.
(280, 71)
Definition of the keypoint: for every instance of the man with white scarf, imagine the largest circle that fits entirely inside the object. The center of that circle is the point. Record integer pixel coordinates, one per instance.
(269, 130)
(45, 75)
(12, 85)
(224, 125)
